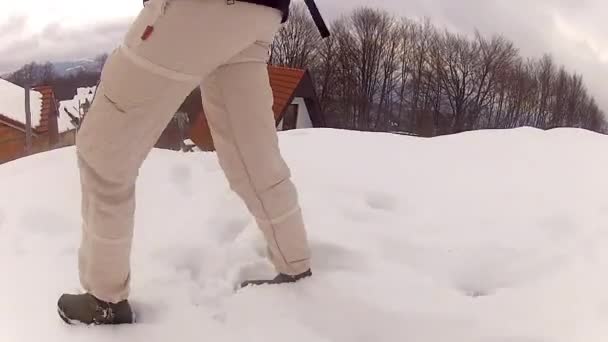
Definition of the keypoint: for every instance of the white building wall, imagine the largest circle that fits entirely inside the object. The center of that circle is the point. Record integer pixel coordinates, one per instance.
(304, 120)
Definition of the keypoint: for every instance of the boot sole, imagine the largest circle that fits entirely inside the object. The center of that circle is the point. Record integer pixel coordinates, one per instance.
(63, 317)
(68, 321)
(270, 282)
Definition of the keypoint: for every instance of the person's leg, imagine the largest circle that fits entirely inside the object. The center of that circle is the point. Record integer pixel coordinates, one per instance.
(129, 113)
(143, 83)
(238, 101)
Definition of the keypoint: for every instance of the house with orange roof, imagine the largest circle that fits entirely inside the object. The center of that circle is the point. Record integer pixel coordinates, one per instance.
(295, 106)
(54, 124)
(43, 109)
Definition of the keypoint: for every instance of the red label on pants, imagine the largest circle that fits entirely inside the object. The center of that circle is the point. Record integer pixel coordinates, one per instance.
(147, 32)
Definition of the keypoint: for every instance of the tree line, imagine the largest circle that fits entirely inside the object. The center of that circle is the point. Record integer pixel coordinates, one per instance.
(64, 86)
(382, 73)
(379, 72)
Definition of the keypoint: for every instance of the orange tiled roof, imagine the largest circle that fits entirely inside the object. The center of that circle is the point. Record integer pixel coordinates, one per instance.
(284, 83)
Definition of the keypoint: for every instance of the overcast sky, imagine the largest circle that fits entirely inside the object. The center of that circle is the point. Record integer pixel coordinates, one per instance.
(573, 31)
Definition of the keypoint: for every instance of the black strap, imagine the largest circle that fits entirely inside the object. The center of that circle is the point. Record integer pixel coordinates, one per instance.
(318, 19)
(316, 16)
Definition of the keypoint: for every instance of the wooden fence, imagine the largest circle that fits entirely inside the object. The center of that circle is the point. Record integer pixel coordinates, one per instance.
(14, 147)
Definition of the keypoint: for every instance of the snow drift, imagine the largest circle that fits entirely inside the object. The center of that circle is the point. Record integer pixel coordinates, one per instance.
(493, 236)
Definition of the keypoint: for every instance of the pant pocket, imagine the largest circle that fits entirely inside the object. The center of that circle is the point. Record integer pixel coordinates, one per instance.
(129, 86)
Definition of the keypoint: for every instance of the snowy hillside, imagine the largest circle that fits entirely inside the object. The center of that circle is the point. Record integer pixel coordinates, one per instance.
(480, 237)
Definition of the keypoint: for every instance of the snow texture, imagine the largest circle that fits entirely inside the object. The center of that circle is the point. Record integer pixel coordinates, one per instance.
(12, 103)
(73, 106)
(488, 236)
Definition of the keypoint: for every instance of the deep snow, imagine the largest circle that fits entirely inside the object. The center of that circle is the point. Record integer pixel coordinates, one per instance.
(492, 236)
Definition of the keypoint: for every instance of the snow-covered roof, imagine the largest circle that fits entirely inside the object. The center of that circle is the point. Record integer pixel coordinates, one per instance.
(12, 103)
(73, 106)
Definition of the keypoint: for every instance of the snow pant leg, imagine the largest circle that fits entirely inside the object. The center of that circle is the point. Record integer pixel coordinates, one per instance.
(142, 85)
(130, 111)
(238, 101)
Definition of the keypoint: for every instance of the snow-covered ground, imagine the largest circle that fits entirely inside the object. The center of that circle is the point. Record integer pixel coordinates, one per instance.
(12, 103)
(495, 236)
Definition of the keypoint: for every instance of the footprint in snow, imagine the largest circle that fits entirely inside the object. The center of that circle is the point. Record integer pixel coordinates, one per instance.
(188, 261)
(381, 201)
(231, 228)
(327, 258)
(476, 292)
(181, 175)
(42, 221)
(332, 257)
(378, 322)
(149, 312)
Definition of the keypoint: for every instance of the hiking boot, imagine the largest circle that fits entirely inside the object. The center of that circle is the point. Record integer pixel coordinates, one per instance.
(87, 309)
(279, 279)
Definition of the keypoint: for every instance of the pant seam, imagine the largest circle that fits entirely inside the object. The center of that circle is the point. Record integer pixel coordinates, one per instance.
(281, 218)
(108, 241)
(240, 155)
(297, 261)
(155, 68)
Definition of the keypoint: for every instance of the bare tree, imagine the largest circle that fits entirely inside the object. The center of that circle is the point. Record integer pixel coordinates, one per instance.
(545, 74)
(377, 72)
(325, 74)
(389, 66)
(459, 58)
(405, 61)
(370, 33)
(296, 42)
(33, 74)
(495, 56)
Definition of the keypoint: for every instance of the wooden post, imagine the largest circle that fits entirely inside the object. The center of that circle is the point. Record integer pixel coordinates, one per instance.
(28, 122)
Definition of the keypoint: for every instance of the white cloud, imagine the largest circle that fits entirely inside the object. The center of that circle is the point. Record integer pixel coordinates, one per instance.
(71, 13)
(573, 31)
(59, 29)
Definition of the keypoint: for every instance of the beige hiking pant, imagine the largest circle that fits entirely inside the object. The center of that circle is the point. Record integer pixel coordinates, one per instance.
(223, 49)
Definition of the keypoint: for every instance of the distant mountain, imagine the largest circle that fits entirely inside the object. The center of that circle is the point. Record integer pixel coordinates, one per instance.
(67, 68)
(73, 67)
(69, 76)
